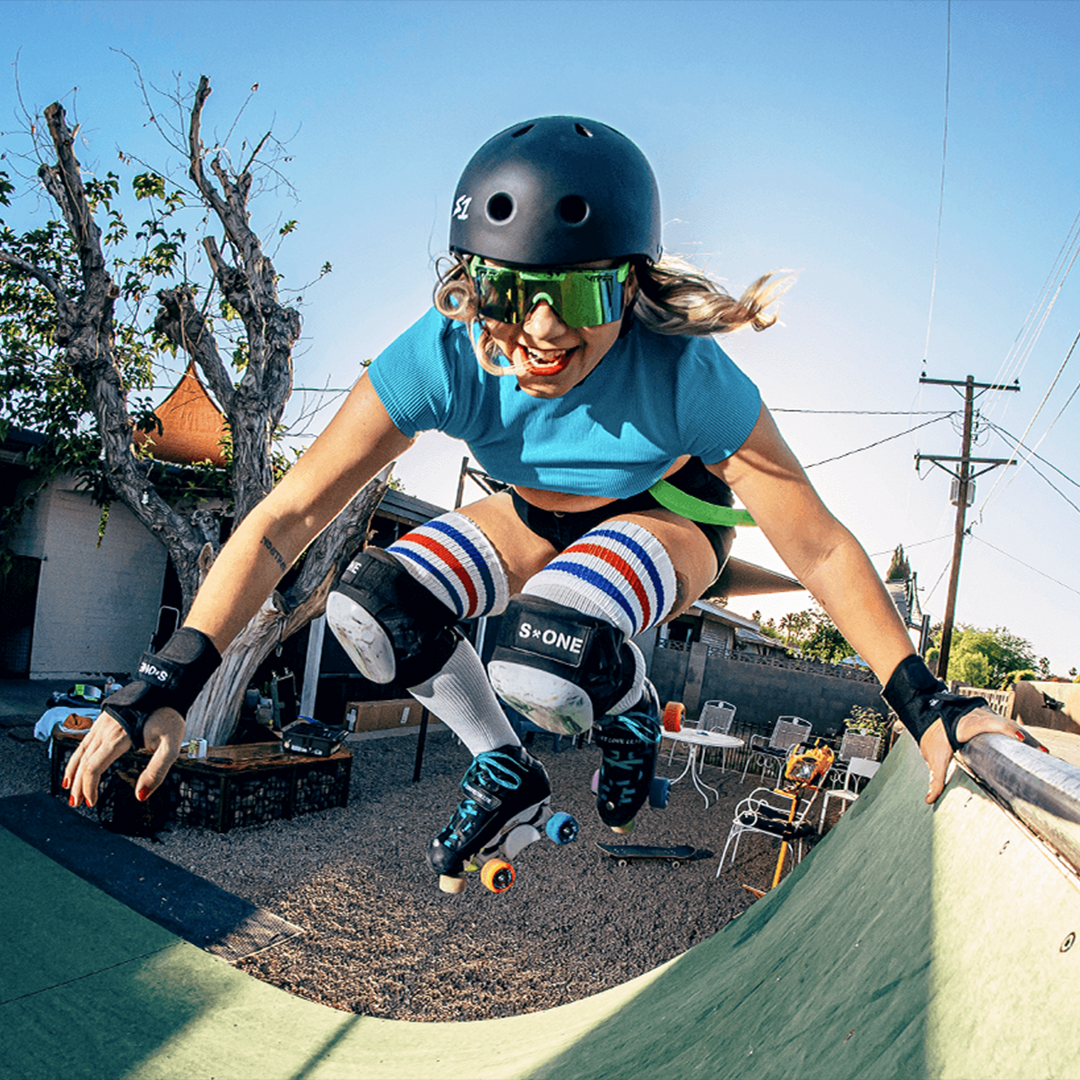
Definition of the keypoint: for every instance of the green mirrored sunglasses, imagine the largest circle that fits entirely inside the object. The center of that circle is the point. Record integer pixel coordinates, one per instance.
(578, 297)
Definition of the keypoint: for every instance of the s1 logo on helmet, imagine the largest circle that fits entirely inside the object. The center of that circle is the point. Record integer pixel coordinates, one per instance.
(557, 191)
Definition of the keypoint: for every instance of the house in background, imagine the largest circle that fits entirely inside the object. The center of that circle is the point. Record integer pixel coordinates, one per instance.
(81, 600)
(78, 604)
(717, 626)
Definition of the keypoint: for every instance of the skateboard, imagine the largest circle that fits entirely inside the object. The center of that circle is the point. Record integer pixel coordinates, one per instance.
(624, 854)
(494, 859)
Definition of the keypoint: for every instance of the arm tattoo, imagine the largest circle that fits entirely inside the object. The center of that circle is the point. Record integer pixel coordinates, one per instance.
(275, 553)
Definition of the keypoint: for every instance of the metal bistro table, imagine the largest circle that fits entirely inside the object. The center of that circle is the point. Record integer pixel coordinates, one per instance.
(700, 741)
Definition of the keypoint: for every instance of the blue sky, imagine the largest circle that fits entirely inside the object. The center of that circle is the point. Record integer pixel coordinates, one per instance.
(784, 135)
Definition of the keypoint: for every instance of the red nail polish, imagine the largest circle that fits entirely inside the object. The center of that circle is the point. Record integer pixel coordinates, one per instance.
(142, 794)
(71, 800)
(65, 783)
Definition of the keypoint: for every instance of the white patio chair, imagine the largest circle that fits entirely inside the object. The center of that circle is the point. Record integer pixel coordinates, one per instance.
(787, 733)
(715, 716)
(857, 769)
(767, 812)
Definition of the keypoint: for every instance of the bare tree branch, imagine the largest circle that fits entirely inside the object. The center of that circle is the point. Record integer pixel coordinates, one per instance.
(254, 405)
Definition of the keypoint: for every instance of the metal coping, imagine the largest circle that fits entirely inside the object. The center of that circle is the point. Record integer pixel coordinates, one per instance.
(1041, 790)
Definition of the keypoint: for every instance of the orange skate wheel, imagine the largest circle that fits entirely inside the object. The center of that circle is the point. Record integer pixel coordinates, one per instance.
(497, 875)
(674, 711)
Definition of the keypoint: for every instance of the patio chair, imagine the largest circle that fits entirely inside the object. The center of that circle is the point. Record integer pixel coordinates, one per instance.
(857, 769)
(769, 813)
(863, 746)
(716, 716)
(788, 732)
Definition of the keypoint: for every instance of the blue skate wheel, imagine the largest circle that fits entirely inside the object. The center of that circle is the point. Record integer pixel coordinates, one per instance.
(659, 793)
(562, 828)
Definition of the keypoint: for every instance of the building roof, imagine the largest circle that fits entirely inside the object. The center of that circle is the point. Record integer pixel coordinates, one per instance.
(726, 615)
(16, 443)
(747, 631)
(407, 509)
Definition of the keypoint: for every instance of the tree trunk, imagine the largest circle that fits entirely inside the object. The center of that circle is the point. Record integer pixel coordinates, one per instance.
(253, 405)
(215, 713)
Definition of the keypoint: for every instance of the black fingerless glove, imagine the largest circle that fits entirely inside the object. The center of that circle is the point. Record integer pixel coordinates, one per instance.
(171, 679)
(919, 699)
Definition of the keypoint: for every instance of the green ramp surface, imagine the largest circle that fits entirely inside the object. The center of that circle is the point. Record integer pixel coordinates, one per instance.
(915, 942)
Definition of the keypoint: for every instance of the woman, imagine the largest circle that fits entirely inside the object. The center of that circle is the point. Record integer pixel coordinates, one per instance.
(580, 368)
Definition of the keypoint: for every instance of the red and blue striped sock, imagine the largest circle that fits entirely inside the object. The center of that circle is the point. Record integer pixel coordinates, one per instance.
(619, 572)
(451, 557)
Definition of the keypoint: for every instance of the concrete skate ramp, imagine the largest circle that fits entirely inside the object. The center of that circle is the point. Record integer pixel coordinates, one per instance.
(914, 942)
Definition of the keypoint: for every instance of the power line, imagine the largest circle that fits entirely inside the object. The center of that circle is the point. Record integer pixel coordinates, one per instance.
(908, 547)
(1034, 569)
(933, 588)
(889, 438)
(1019, 352)
(1016, 442)
(865, 412)
(1051, 483)
(1068, 356)
(941, 193)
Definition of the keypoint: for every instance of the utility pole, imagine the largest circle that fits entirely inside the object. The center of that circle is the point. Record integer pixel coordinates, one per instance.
(965, 477)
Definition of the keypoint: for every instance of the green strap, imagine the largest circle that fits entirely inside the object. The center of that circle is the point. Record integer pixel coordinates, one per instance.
(671, 498)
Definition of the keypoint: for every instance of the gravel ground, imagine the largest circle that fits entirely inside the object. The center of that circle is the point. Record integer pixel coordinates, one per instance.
(380, 939)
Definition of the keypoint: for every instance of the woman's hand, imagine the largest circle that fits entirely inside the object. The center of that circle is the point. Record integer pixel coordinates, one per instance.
(106, 741)
(937, 753)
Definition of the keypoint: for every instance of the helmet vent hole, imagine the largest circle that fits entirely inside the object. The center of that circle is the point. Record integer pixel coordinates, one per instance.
(522, 131)
(573, 209)
(500, 207)
(583, 130)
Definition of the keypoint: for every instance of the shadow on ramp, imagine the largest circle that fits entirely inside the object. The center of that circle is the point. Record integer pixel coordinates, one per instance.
(897, 949)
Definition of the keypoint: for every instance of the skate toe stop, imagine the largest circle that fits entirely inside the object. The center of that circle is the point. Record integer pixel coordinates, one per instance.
(450, 884)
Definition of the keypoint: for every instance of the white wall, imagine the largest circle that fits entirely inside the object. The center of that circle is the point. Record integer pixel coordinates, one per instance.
(97, 607)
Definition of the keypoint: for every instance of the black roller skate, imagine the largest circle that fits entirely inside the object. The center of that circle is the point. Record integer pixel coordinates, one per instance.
(506, 806)
(626, 778)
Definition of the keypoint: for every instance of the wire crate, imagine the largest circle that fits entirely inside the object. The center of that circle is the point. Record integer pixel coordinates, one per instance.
(236, 786)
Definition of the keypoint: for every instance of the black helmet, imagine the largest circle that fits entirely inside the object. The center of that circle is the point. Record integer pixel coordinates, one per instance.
(557, 190)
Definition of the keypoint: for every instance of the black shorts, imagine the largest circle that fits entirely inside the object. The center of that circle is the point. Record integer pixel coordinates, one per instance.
(561, 530)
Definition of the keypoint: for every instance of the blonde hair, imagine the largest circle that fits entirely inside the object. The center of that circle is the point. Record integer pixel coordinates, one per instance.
(673, 297)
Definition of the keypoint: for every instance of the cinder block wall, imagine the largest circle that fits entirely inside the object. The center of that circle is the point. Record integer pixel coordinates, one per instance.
(760, 692)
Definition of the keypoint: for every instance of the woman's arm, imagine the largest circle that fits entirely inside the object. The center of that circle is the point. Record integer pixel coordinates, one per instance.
(357, 443)
(830, 562)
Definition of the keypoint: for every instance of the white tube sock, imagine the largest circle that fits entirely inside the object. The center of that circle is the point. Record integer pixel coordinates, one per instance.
(461, 696)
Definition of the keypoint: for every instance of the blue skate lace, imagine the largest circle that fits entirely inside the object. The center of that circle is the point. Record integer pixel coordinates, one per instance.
(640, 730)
(491, 764)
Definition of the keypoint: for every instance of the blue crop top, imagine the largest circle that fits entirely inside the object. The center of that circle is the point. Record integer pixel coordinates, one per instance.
(652, 399)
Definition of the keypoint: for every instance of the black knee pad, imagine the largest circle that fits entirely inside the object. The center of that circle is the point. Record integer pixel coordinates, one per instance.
(558, 667)
(388, 623)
